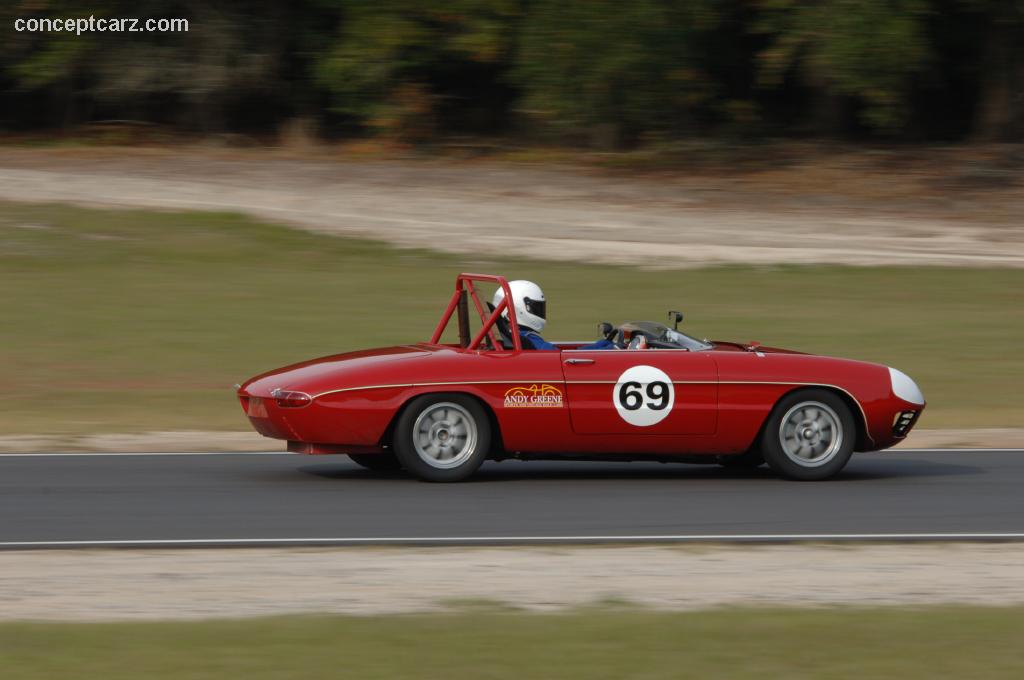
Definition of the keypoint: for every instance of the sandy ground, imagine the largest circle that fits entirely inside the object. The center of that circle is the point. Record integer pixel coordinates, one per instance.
(841, 211)
(198, 440)
(189, 584)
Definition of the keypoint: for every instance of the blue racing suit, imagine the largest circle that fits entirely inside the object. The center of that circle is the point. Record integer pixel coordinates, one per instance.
(532, 340)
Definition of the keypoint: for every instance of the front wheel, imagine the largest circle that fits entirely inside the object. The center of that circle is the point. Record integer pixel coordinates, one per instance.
(809, 435)
(442, 437)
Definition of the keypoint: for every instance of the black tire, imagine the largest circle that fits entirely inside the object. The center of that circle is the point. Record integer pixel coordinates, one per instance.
(435, 425)
(747, 460)
(809, 416)
(378, 462)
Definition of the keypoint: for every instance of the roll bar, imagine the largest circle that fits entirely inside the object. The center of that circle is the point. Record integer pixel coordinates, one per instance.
(465, 291)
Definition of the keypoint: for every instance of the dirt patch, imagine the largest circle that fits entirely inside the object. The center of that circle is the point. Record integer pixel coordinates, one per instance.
(981, 438)
(192, 584)
(179, 441)
(846, 209)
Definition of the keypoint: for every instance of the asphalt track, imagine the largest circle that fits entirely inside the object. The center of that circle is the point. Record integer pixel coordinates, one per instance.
(69, 500)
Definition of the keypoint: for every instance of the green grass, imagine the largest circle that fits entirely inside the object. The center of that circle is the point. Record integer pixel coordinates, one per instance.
(131, 320)
(591, 644)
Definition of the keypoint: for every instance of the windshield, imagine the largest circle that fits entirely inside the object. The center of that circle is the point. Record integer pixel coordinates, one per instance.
(666, 337)
(684, 340)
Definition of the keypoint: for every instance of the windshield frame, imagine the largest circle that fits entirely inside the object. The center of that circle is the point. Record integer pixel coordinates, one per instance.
(698, 345)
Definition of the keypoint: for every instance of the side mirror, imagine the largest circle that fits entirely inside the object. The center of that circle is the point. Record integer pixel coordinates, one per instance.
(674, 318)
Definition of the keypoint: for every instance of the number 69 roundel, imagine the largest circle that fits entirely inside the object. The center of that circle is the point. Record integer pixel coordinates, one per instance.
(644, 395)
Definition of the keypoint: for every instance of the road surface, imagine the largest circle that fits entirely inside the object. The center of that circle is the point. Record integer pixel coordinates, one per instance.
(267, 499)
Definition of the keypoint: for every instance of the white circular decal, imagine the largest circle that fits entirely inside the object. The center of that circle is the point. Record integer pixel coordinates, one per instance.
(644, 395)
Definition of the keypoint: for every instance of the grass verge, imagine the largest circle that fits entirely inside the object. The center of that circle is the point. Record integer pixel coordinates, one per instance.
(130, 321)
(593, 644)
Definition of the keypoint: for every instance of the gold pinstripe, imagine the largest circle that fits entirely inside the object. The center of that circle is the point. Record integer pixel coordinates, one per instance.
(435, 384)
(608, 382)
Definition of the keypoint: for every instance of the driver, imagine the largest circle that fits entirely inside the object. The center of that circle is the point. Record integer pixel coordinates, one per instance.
(531, 315)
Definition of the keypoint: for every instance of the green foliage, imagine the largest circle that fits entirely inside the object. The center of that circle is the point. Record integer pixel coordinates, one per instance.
(869, 49)
(392, 60)
(598, 72)
(37, 60)
(616, 68)
(229, 57)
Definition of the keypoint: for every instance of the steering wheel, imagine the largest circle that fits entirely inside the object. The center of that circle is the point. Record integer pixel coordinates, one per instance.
(638, 341)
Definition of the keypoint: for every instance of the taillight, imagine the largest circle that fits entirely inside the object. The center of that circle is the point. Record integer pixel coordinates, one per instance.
(290, 398)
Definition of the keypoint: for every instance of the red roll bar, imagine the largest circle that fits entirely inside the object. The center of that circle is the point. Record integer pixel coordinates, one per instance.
(464, 288)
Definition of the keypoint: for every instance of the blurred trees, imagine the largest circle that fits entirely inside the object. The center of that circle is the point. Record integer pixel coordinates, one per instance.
(592, 72)
(864, 50)
(241, 65)
(605, 71)
(1000, 108)
(411, 69)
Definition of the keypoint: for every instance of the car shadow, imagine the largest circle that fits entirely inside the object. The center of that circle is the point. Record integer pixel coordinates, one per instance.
(879, 468)
(520, 471)
(854, 472)
(344, 470)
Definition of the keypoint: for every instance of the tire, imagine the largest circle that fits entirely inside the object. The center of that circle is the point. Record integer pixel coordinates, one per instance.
(442, 437)
(809, 435)
(747, 460)
(378, 462)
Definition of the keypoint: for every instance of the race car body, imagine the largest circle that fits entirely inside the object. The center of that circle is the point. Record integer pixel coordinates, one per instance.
(440, 409)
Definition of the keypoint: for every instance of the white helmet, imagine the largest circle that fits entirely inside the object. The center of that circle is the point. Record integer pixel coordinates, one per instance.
(528, 299)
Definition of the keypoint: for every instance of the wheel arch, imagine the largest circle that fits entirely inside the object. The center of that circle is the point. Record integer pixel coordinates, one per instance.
(863, 441)
(497, 443)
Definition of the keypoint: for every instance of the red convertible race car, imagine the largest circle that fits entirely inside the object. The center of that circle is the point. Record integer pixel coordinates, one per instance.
(439, 410)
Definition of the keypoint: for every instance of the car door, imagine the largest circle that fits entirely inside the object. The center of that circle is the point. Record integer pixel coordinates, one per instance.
(644, 391)
(525, 390)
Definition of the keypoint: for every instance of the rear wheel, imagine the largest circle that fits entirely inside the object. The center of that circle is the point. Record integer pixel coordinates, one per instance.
(809, 435)
(378, 462)
(442, 437)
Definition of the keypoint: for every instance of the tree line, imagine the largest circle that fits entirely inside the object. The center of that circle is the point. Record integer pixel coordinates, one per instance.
(597, 73)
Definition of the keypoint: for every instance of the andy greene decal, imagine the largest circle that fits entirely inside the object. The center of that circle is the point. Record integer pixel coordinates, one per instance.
(534, 396)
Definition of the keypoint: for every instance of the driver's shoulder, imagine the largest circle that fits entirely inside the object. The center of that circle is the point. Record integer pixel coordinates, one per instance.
(535, 339)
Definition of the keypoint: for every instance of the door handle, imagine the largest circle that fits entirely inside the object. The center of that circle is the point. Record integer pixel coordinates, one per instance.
(579, 361)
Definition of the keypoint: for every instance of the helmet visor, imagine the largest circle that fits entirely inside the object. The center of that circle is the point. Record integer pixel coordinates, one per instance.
(536, 307)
